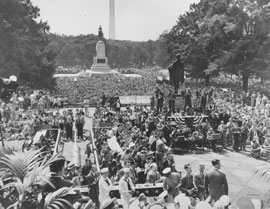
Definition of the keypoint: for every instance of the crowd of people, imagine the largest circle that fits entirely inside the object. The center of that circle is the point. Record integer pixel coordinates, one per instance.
(136, 150)
(31, 112)
(134, 143)
(237, 118)
(93, 87)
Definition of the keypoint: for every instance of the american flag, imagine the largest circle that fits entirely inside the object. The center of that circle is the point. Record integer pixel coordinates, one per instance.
(181, 120)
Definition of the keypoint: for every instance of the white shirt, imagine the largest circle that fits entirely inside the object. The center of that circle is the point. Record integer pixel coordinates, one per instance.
(104, 190)
(152, 139)
(123, 187)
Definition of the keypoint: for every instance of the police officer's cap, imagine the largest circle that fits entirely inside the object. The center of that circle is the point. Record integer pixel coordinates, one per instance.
(167, 171)
(104, 170)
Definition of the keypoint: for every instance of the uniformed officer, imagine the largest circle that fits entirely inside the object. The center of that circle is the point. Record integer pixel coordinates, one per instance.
(105, 186)
(171, 183)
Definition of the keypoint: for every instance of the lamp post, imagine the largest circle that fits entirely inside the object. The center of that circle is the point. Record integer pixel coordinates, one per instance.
(75, 81)
(1, 135)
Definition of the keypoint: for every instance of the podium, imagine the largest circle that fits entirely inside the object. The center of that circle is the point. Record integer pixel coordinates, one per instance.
(179, 102)
(148, 189)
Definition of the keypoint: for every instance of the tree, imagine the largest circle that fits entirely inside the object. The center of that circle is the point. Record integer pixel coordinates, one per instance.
(249, 48)
(26, 170)
(223, 35)
(186, 38)
(161, 56)
(79, 51)
(23, 44)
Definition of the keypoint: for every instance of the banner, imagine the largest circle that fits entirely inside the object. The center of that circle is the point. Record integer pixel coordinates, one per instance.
(145, 100)
(114, 145)
(127, 99)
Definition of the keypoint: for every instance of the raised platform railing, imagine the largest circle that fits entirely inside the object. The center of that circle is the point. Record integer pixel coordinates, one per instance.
(94, 148)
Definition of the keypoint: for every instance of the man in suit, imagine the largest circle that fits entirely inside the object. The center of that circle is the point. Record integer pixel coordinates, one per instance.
(215, 182)
(176, 71)
(199, 181)
(224, 117)
(187, 184)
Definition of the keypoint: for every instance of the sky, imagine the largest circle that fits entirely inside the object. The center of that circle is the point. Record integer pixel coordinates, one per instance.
(135, 20)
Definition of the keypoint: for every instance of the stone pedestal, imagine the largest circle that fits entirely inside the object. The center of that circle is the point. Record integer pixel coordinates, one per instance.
(100, 62)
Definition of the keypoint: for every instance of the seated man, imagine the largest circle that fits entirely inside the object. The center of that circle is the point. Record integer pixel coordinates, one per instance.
(153, 175)
(210, 133)
(210, 138)
(187, 183)
(255, 149)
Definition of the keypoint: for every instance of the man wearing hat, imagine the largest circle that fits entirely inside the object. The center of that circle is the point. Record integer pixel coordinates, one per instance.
(126, 188)
(171, 183)
(105, 186)
(161, 149)
(80, 124)
(159, 97)
(56, 180)
(69, 125)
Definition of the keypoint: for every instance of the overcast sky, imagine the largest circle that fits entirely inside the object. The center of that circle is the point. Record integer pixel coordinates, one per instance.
(136, 20)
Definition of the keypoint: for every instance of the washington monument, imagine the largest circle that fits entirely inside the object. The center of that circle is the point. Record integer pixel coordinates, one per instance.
(112, 20)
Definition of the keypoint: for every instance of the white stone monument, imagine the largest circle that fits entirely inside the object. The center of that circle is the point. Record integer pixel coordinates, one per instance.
(100, 62)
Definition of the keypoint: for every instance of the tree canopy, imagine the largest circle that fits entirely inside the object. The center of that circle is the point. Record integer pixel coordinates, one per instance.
(223, 35)
(79, 51)
(23, 46)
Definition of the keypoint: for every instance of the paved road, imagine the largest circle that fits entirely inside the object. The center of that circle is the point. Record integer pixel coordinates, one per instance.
(237, 166)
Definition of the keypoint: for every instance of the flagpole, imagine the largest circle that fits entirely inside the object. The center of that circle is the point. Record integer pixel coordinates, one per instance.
(1, 136)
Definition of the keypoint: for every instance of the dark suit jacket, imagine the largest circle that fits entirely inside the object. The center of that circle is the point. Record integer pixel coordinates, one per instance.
(200, 184)
(176, 71)
(187, 184)
(216, 184)
(224, 116)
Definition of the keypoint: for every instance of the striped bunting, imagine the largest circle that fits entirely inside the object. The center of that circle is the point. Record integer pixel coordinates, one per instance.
(181, 120)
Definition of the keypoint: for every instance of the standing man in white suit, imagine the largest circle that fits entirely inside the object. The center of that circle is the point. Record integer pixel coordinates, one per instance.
(126, 188)
(105, 186)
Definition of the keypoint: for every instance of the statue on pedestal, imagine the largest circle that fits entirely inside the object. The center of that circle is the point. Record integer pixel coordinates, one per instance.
(100, 61)
(177, 73)
(100, 33)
